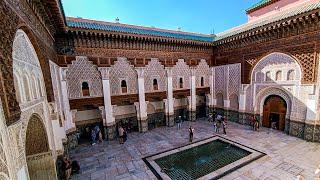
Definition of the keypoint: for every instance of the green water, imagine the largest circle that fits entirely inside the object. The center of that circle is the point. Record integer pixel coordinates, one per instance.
(199, 161)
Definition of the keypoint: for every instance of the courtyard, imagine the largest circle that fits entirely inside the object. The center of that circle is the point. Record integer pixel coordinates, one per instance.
(286, 156)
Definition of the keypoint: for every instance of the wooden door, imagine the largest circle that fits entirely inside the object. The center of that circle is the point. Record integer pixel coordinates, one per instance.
(266, 113)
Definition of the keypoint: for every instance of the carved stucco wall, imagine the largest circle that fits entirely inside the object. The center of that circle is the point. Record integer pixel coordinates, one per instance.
(181, 70)
(6, 161)
(82, 70)
(202, 70)
(155, 70)
(122, 70)
(26, 64)
(227, 79)
(28, 79)
(291, 90)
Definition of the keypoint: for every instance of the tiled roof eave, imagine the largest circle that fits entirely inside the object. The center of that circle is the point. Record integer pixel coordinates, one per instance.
(140, 35)
(270, 24)
(259, 6)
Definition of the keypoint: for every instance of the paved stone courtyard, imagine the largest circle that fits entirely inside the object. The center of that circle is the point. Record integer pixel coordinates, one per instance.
(286, 157)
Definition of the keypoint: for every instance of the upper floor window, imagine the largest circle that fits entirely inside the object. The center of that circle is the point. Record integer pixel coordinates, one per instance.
(278, 76)
(155, 84)
(202, 81)
(180, 82)
(124, 88)
(268, 76)
(290, 75)
(85, 89)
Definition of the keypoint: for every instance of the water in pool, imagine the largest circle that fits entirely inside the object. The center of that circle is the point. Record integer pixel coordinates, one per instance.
(201, 160)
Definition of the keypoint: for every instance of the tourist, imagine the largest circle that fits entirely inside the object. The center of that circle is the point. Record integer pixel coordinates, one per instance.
(67, 166)
(100, 136)
(253, 122)
(218, 125)
(191, 130)
(300, 177)
(179, 122)
(124, 135)
(256, 124)
(93, 137)
(75, 167)
(121, 131)
(214, 125)
(224, 125)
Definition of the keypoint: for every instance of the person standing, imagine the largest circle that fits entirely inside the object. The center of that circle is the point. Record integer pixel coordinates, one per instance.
(93, 137)
(224, 125)
(191, 131)
(179, 122)
(121, 132)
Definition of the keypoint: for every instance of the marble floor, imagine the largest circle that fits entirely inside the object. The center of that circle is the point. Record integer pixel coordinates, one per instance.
(286, 157)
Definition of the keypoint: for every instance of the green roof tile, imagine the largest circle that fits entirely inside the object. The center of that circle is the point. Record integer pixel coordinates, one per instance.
(117, 27)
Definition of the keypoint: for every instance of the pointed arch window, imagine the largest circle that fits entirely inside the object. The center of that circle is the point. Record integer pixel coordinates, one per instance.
(181, 82)
(278, 76)
(202, 82)
(268, 76)
(26, 88)
(124, 88)
(155, 84)
(85, 89)
(290, 75)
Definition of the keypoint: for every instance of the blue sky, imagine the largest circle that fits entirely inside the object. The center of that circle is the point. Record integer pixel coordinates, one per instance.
(191, 15)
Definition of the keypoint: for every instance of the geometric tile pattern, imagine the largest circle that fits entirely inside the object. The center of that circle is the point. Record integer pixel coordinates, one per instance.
(234, 79)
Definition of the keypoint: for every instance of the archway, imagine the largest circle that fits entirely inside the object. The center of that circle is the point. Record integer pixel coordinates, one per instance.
(274, 112)
(201, 106)
(39, 157)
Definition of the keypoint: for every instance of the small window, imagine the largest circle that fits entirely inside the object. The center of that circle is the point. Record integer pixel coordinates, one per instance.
(290, 75)
(268, 76)
(85, 89)
(278, 76)
(155, 84)
(180, 83)
(202, 81)
(124, 86)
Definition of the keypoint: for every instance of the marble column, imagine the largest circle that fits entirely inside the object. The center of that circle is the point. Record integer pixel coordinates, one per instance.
(142, 105)
(69, 125)
(193, 97)
(212, 90)
(109, 122)
(169, 111)
(243, 118)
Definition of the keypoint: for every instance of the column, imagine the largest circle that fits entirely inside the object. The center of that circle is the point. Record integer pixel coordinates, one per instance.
(192, 98)
(109, 122)
(69, 125)
(226, 101)
(211, 96)
(141, 106)
(168, 103)
(242, 104)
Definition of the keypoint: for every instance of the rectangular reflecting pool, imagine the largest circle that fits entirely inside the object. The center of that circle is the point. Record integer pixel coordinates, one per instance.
(207, 159)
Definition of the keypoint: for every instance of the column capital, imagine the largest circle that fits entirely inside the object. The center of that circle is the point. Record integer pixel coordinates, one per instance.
(168, 71)
(105, 72)
(140, 71)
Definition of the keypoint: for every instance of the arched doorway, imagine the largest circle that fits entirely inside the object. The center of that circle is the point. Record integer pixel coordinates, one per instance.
(39, 157)
(274, 112)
